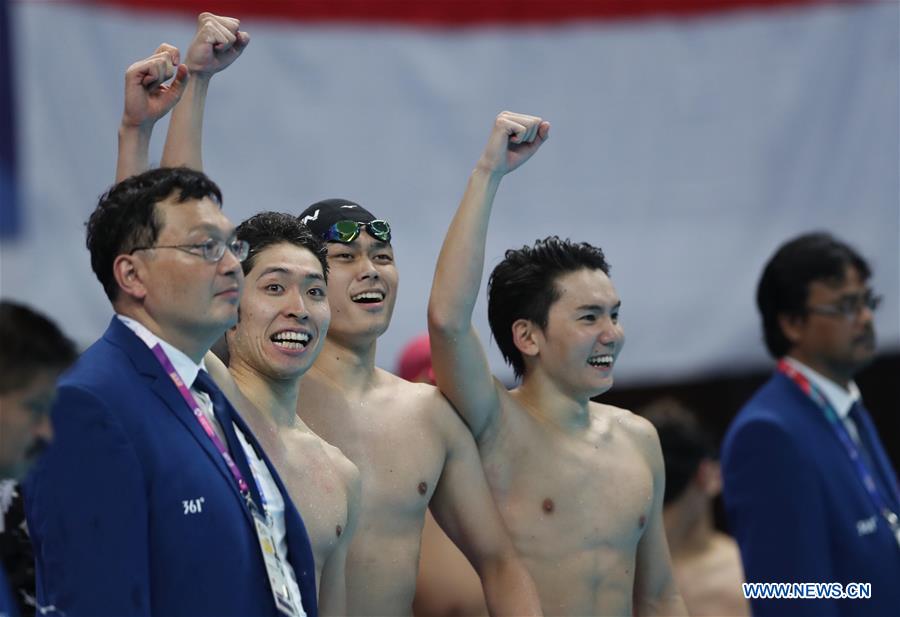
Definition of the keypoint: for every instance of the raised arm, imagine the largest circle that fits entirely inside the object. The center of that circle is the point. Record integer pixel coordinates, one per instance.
(655, 592)
(463, 507)
(217, 43)
(460, 365)
(147, 99)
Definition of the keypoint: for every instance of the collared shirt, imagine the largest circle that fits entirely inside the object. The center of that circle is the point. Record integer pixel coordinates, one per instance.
(187, 369)
(839, 398)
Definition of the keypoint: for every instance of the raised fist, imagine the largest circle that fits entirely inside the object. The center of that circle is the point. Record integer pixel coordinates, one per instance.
(514, 138)
(217, 44)
(147, 97)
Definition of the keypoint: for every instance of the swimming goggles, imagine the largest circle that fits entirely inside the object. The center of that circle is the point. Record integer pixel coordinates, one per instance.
(348, 231)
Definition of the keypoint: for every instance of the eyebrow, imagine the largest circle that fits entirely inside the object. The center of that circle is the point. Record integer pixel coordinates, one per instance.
(283, 270)
(855, 294)
(598, 308)
(212, 230)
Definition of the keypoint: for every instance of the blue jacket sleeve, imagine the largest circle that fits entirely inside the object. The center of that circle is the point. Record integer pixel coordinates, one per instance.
(87, 513)
(774, 505)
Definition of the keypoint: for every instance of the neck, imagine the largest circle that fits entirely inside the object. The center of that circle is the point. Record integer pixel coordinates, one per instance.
(351, 368)
(825, 370)
(689, 527)
(545, 400)
(194, 344)
(275, 398)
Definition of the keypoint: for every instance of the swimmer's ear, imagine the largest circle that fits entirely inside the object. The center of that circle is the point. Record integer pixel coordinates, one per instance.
(526, 337)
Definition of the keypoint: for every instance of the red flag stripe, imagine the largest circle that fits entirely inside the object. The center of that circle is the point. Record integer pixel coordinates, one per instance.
(453, 13)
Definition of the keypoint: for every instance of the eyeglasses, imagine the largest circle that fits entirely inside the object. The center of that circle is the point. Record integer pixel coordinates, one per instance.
(348, 231)
(848, 307)
(212, 250)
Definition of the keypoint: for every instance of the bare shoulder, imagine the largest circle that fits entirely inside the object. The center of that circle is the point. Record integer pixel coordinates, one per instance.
(347, 470)
(640, 430)
(427, 404)
(219, 372)
(419, 396)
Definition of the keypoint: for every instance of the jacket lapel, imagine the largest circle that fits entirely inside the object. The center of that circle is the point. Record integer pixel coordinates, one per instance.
(866, 427)
(147, 365)
(879, 456)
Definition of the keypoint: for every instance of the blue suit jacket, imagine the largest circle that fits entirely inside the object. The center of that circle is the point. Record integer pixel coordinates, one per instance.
(106, 505)
(8, 606)
(798, 509)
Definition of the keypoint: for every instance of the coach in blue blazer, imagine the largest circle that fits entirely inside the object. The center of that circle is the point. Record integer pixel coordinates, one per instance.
(796, 499)
(134, 510)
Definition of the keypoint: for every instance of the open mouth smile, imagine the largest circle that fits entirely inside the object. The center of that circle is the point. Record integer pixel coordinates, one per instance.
(603, 361)
(290, 340)
(368, 297)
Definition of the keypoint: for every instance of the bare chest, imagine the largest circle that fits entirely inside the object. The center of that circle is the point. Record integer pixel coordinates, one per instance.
(399, 457)
(319, 492)
(561, 494)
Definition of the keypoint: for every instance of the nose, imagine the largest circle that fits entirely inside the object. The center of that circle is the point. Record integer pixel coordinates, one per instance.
(368, 270)
(296, 309)
(229, 265)
(865, 315)
(610, 334)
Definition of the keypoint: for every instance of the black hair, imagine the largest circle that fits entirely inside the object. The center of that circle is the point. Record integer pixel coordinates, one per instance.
(784, 285)
(523, 286)
(268, 228)
(126, 216)
(31, 343)
(684, 441)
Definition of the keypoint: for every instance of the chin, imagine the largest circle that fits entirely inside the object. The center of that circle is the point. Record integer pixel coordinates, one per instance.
(863, 362)
(602, 388)
(288, 374)
(225, 318)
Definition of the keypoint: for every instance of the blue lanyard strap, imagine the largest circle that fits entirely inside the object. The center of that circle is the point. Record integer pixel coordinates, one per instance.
(862, 471)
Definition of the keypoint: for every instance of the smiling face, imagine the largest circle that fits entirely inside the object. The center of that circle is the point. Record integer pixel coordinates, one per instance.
(362, 281)
(190, 298)
(284, 313)
(578, 348)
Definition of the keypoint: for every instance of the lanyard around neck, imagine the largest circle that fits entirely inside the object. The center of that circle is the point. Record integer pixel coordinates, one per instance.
(862, 470)
(169, 368)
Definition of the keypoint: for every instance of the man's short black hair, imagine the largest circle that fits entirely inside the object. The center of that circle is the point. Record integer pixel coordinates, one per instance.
(32, 343)
(685, 443)
(126, 216)
(523, 286)
(784, 286)
(269, 228)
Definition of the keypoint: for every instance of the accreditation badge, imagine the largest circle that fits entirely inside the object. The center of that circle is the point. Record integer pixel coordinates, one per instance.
(284, 601)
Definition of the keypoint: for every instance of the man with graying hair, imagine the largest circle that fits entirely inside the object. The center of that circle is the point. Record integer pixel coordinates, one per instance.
(809, 491)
